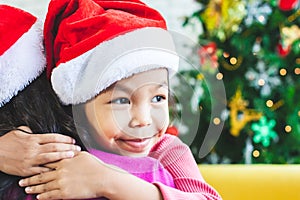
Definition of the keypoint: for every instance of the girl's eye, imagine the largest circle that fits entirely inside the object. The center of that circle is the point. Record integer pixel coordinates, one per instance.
(120, 101)
(157, 99)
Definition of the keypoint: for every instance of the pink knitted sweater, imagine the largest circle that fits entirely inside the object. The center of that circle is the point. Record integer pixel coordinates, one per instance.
(177, 158)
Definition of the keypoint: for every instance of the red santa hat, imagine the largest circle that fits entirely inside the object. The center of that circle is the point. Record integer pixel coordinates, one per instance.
(91, 44)
(21, 51)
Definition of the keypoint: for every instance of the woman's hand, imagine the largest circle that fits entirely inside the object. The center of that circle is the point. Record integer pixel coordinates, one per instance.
(81, 177)
(23, 154)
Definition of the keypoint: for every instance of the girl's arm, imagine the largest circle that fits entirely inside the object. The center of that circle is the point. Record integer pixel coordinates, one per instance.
(22, 153)
(128, 187)
(85, 176)
(98, 179)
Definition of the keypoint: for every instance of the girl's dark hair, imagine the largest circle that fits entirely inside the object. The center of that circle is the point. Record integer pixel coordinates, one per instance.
(37, 107)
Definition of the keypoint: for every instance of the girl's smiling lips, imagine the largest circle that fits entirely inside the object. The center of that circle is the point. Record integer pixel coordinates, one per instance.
(136, 145)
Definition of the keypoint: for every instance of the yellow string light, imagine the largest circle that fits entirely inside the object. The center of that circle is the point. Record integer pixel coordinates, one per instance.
(216, 121)
(269, 103)
(288, 128)
(256, 153)
(282, 72)
(226, 55)
(219, 76)
(233, 61)
(261, 82)
(231, 67)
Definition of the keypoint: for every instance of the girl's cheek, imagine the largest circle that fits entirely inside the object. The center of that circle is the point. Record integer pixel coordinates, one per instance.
(120, 118)
(161, 116)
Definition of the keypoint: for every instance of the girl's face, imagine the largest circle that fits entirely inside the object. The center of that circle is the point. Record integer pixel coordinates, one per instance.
(131, 115)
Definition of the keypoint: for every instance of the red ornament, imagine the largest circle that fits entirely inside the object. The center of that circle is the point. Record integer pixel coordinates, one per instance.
(209, 51)
(283, 51)
(287, 5)
(172, 130)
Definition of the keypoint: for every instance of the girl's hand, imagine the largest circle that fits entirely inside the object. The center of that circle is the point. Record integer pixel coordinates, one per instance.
(83, 176)
(23, 154)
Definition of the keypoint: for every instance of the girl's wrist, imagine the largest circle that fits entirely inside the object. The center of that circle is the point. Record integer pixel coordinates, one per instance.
(108, 187)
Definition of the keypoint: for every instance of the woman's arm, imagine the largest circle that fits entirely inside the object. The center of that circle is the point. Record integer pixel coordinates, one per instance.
(22, 153)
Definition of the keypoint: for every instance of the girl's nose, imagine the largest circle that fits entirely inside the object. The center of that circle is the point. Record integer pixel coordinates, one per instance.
(140, 116)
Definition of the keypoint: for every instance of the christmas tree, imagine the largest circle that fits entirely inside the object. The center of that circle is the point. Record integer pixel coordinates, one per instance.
(254, 49)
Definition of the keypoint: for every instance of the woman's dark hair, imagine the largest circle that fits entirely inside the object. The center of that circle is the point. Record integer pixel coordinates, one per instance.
(37, 107)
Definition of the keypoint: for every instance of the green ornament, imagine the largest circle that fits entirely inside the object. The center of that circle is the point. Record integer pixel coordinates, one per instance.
(296, 47)
(274, 3)
(263, 131)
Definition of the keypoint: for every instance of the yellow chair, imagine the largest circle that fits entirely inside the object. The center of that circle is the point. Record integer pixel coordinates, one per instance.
(255, 182)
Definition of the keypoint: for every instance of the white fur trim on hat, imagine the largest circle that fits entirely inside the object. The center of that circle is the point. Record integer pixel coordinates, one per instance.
(84, 77)
(21, 63)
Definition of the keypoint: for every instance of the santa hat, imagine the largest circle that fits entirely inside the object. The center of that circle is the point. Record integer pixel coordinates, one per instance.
(21, 51)
(91, 44)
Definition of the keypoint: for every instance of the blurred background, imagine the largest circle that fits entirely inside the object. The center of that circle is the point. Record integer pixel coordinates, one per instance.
(254, 50)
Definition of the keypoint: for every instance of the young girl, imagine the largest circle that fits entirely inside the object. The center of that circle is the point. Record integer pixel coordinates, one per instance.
(28, 100)
(112, 60)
